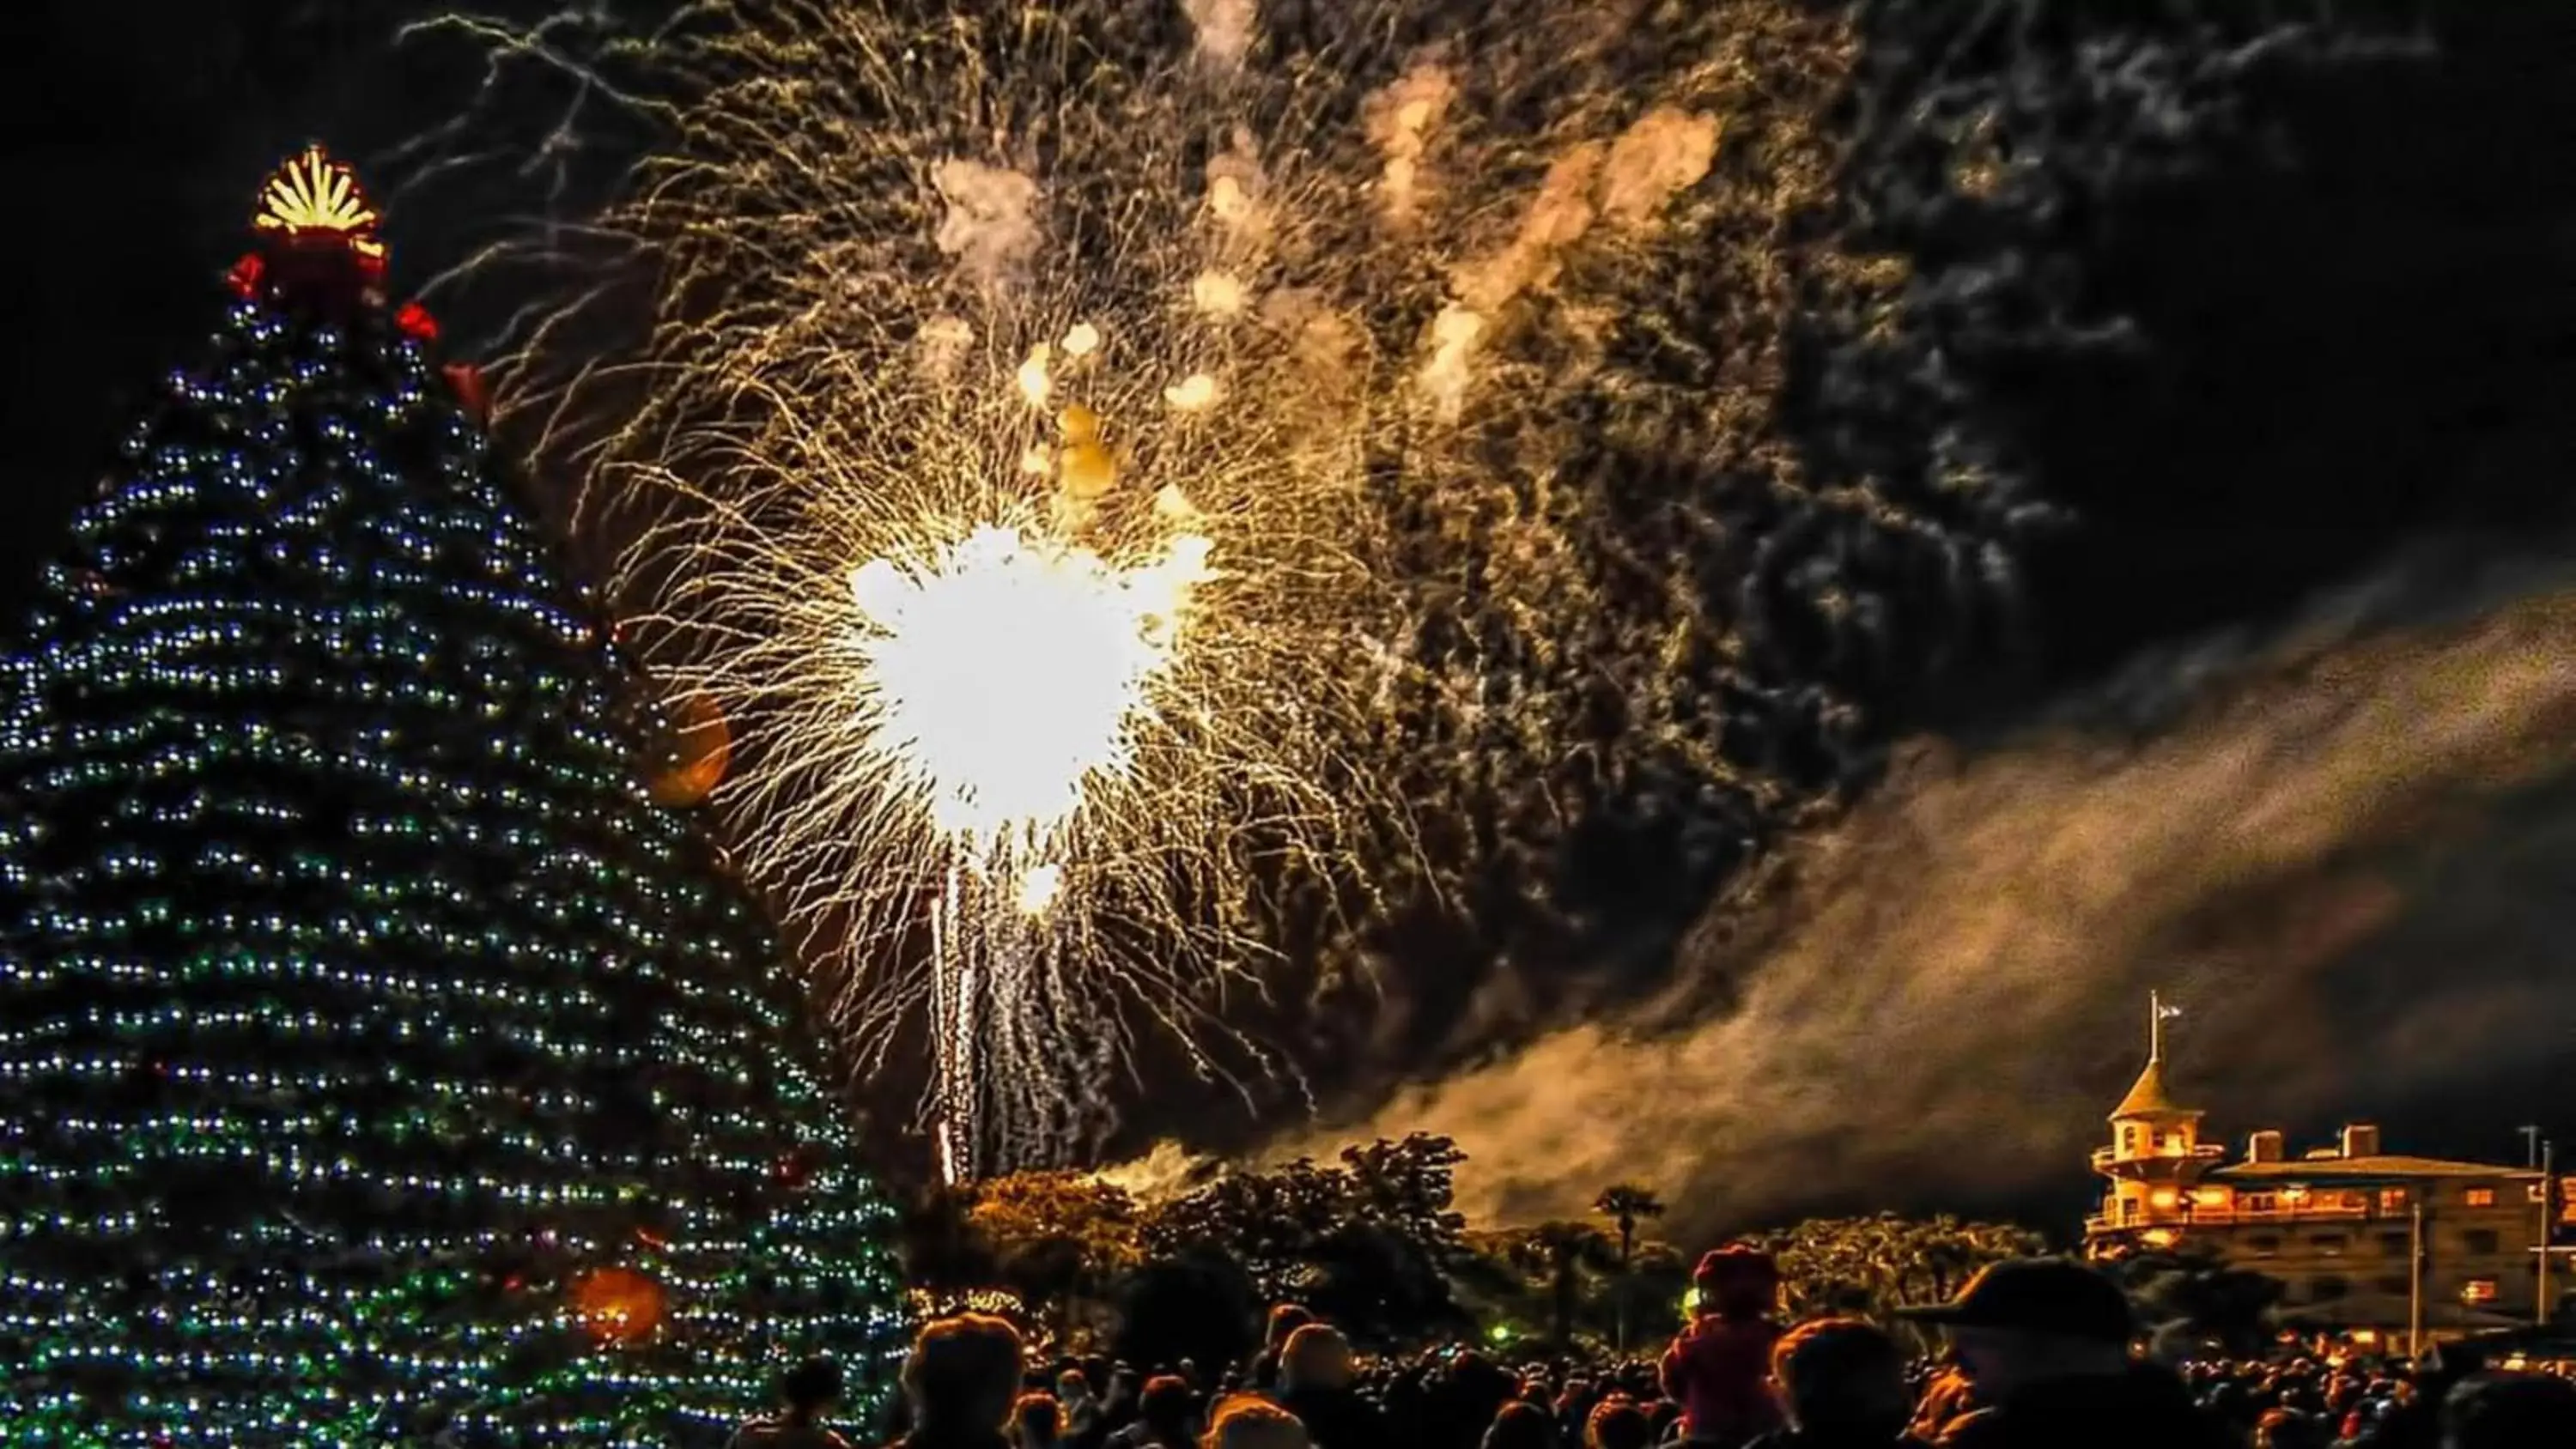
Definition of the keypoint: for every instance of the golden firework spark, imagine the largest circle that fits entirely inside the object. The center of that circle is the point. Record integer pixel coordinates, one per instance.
(1007, 675)
(1024, 597)
(1014, 739)
(1003, 460)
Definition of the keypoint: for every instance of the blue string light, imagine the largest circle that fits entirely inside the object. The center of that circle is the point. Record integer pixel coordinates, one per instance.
(359, 1002)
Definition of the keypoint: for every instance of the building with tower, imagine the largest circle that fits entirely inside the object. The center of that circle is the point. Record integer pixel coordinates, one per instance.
(2345, 1228)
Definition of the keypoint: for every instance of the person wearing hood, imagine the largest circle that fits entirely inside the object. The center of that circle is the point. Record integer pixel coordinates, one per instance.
(1718, 1369)
(2044, 1344)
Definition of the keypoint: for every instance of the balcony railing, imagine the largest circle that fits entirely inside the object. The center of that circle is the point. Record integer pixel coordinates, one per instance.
(2208, 1217)
(2285, 1213)
(2104, 1157)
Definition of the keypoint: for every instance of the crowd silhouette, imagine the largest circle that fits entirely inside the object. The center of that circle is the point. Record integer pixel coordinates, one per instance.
(2035, 1353)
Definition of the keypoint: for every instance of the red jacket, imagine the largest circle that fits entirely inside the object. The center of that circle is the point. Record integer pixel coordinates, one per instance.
(1719, 1369)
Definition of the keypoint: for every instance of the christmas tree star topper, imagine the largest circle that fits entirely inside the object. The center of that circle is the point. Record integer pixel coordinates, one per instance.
(318, 244)
(314, 197)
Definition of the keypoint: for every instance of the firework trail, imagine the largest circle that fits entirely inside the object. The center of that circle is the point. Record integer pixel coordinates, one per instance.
(1162, 487)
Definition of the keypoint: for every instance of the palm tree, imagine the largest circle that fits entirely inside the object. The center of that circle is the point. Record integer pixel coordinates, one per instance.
(1562, 1251)
(1627, 1204)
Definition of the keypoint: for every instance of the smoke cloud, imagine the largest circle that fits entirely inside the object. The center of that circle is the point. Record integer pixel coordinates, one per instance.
(1665, 153)
(2345, 854)
(1401, 122)
(990, 226)
(1224, 29)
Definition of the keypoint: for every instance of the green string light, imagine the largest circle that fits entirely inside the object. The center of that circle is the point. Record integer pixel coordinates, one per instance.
(359, 1000)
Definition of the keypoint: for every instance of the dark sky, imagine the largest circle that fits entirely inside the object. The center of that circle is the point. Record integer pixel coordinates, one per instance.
(2351, 360)
(2381, 349)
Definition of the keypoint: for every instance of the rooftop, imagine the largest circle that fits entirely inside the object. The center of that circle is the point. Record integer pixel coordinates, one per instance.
(2149, 1097)
(2385, 1164)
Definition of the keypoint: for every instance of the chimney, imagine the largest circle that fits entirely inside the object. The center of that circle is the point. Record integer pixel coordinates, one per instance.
(2361, 1139)
(2263, 1147)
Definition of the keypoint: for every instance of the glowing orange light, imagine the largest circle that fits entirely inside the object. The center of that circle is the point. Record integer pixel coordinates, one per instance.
(701, 751)
(617, 1305)
(315, 195)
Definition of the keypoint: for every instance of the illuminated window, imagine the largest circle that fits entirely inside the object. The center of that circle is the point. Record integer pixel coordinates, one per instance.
(2162, 1197)
(2478, 1290)
(2480, 1240)
(2259, 1202)
(2128, 1210)
(2392, 1199)
(2128, 1142)
(2480, 1197)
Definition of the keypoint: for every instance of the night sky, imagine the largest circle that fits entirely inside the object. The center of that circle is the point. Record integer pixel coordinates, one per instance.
(2367, 358)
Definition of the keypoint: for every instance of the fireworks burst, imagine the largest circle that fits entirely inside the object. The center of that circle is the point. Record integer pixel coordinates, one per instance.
(1006, 662)
(1103, 457)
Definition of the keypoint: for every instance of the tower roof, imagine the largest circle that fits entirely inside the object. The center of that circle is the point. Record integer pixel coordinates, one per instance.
(2149, 1098)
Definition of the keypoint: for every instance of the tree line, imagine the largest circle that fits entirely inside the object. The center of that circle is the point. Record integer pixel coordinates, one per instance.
(1373, 1241)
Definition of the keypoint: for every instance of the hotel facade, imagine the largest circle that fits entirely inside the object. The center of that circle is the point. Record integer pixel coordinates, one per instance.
(2345, 1228)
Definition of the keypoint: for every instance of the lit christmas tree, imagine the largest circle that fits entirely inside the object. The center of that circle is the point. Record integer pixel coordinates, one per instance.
(381, 1058)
